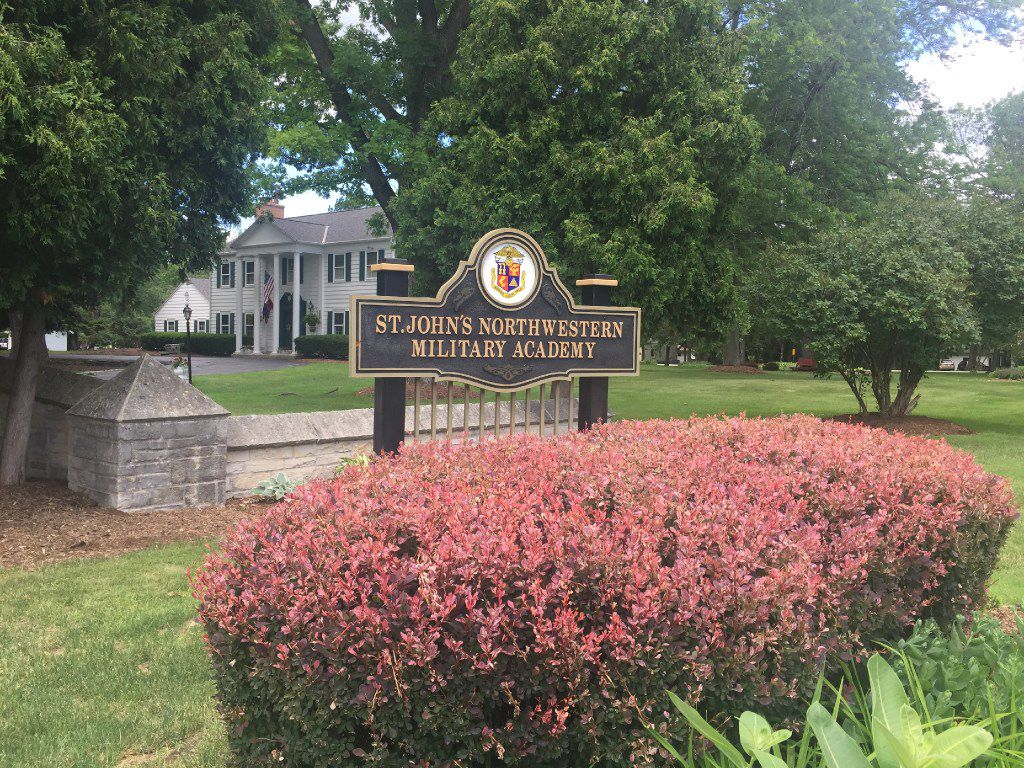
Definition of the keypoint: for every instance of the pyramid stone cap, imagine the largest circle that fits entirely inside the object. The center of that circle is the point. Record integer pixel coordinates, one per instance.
(145, 391)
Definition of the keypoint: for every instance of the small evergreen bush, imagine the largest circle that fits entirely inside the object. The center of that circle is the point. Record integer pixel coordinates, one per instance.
(215, 344)
(1010, 374)
(327, 346)
(527, 601)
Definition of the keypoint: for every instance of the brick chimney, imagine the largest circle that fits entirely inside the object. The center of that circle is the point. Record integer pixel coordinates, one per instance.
(272, 207)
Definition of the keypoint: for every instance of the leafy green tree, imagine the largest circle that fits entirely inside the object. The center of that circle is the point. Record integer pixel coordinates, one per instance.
(125, 129)
(887, 293)
(1005, 140)
(612, 131)
(351, 101)
(991, 238)
(843, 122)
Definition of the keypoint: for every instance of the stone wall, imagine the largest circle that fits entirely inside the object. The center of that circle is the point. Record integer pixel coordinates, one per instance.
(48, 440)
(145, 440)
(312, 445)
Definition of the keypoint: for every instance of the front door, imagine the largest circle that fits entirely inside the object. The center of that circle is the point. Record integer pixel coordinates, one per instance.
(285, 322)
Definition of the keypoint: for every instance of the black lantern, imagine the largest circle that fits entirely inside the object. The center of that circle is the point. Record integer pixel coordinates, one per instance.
(187, 312)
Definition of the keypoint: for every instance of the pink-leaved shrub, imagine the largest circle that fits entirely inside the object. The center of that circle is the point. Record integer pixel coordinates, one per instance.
(528, 601)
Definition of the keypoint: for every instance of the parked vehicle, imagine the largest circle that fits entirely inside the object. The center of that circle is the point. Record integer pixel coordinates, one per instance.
(947, 364)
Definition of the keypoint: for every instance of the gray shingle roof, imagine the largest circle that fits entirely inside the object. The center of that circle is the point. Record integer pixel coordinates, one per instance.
(323, 228)
(333, 226)
(202, 285)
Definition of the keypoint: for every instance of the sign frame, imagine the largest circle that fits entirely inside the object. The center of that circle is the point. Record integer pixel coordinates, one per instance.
(547, 280)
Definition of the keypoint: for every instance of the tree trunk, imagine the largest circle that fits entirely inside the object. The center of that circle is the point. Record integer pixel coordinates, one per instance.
(972, 359)
(15, 321)
(733, 352)
(668, 354)
(22, 397)
(881, 387)
(906, 401)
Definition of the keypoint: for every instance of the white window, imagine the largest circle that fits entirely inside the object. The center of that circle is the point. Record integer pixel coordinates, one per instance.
(336, 270)
(226, 275)
(340, 322)
(287, 264)
(225, 322)
(170, 326)
(249, 271)
(201, 326)
(247, 328)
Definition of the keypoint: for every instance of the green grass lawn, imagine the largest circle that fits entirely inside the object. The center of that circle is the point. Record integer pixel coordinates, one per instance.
(102, 664)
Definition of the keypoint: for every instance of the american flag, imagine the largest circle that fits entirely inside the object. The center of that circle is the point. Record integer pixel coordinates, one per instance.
(268, 294)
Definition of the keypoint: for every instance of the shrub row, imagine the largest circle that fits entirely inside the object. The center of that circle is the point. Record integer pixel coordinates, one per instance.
(330, 346)
(519, 601)
(1012, 374)
(218, 344)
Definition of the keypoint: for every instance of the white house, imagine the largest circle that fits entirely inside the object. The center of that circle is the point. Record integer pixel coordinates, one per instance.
(196, 293)
(327, 256)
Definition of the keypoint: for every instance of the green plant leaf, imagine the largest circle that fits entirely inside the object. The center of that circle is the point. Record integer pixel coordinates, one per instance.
(958, 746)
(755, 733)
(837, 747)
(904, 754)
(888, 697)
(708, 731)
(768, 760)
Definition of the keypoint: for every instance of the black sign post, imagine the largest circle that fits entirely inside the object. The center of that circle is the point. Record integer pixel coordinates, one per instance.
(504, 322)
(597, 291)
(389, 393)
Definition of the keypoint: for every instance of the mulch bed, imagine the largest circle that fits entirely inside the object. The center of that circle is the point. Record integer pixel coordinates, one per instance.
(917, 426)
(43, 522)
(735, 369)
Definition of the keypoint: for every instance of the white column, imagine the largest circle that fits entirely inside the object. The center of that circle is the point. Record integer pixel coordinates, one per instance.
(239, 291)
(257, 280)
(275, 320)
(296, 294)
(323, 288)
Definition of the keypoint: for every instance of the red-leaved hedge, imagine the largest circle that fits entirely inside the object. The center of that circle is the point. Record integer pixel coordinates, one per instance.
(517, 602)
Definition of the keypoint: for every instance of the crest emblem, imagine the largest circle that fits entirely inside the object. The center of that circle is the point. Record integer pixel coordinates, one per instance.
(507, 272)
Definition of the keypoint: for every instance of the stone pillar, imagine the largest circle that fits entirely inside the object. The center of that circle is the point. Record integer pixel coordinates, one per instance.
(147, 440)
(296, 298)
(275, 315)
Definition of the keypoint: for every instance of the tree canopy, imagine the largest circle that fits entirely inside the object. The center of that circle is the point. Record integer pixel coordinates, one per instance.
(889, 292)
(125, 130)
(613, 131)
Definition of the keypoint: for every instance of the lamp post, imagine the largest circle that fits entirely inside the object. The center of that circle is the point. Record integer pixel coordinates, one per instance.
(187, 312)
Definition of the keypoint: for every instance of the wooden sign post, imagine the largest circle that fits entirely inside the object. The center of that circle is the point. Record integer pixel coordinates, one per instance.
(504, 322)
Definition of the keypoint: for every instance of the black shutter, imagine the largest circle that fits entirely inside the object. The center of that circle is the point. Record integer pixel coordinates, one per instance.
(348, 267)
(302, 270)
(330, 267)
(344, 324)
(232, 274)
(218, 274)
(330, 323)
(362, 265)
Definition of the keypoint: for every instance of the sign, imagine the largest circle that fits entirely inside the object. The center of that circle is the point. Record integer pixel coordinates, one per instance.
(504, 322)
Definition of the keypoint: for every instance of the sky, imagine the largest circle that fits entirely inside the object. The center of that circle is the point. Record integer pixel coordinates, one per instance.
(975, 73)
